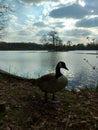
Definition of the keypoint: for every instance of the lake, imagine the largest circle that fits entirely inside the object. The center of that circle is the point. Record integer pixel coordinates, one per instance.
(83, 65)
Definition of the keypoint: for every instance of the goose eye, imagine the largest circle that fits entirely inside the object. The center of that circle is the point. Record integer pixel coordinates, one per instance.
(60, 65)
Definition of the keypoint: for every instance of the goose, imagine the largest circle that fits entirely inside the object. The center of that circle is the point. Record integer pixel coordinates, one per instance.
(52, 82)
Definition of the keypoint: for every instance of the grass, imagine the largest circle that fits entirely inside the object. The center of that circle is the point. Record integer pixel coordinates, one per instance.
(26, 110)
(97, 88)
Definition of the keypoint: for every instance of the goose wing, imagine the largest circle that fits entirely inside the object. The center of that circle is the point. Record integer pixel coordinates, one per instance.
(47, 82)
(46, 78)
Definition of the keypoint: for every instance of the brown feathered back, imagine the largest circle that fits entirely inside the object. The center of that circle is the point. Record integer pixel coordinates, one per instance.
(49, 83)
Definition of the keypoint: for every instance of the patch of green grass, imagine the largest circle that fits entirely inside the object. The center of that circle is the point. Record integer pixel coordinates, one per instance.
(97, 88)
(15, 116)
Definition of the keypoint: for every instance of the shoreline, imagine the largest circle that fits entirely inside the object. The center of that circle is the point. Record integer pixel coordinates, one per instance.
(24, 107)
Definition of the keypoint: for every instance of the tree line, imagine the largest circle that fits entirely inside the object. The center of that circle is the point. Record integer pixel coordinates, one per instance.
(49, 47)
(53, 42)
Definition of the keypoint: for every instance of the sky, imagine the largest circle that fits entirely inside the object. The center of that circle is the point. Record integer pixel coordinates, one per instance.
(74, 20)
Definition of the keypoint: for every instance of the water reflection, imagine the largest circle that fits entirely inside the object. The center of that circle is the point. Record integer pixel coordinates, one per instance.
(33, 64)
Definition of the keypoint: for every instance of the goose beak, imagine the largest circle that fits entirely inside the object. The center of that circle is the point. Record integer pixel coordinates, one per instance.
(66, 68)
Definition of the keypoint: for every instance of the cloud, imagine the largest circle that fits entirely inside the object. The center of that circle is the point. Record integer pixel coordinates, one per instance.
(43, 32)
(36, 1)
(92, 22)
(39, 24)
(59, 24)
(92, 5)
(13, 18)
(23, 32)
(72, 11)
(78, 32)
(72, 19)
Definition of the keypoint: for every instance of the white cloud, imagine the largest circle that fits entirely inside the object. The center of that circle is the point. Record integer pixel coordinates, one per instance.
(67, 1)
(73, 19)
(88, 22)
(33, 2)
(82, 3)
(13, 19)
(72, 11)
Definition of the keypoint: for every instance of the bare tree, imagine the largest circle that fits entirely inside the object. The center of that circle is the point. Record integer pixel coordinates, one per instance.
(93, 41)
(44, 39)
(4, 11)
(69, 43)
(54, 38)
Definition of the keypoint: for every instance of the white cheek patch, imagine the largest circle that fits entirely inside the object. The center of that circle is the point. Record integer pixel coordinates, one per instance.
(62, 71)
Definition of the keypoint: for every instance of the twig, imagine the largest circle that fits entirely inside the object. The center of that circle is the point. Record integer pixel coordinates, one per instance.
(68, 120)
(89, 64)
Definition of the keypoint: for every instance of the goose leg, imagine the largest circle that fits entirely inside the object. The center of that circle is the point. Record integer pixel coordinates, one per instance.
(54, 100)
(53, 96)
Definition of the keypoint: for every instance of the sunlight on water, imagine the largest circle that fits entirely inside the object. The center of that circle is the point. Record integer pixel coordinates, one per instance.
(33, 64)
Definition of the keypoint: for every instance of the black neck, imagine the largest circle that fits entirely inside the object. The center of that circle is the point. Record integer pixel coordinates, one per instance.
(58, 73)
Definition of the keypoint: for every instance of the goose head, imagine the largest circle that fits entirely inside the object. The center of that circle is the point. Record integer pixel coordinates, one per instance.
(60, 65)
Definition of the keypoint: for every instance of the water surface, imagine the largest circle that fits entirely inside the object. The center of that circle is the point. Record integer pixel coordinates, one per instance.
(83, 65)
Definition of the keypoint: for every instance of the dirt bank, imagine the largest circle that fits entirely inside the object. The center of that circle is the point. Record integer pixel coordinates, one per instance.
(24, 107)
